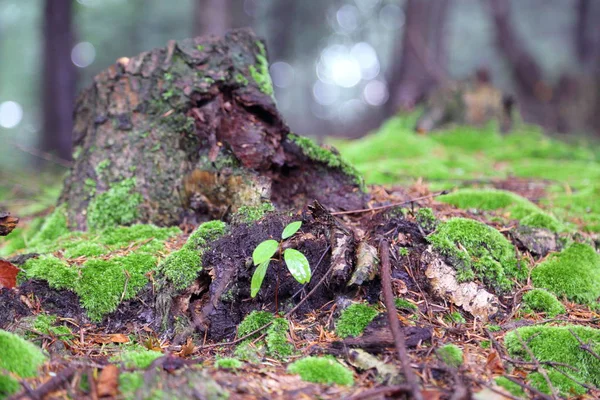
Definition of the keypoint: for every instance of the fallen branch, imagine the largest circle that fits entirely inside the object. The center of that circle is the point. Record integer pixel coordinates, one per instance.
(49, 386)
(399, 340)
(429, 196)
(584, 346)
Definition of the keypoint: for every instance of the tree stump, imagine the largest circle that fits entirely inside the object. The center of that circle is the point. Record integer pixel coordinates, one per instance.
(192, 131)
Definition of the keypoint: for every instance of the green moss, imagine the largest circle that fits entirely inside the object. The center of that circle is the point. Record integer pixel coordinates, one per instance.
(117, 237)
(557, 344)
(250, 352)
(19, 357)
(485, 344)
(136, 358)
(354, 320)
(260, 71)
(241, 79)
(47, 324)
(405, 305)
(129, 383)
(8, 386)
(426, 219)
(182, 266)
(510, 386)
(249, 214)
(494, 328)
(102, 166)
(57, 273)
(456, 317)
(322, 370)
(117, 206)
(54, 226)
(478, 251)
(315, 152)
(85, 249)
(541, 300)
(451, 355)
(105, 283)
(573, 273)
(253, 321)
(516, 206)
(278, 345)
(228, 363)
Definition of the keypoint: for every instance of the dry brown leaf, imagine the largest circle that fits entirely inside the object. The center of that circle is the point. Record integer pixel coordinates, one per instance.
(494, 363)
(187, 349)
(8, 275)
(108, 382)
(112, 338)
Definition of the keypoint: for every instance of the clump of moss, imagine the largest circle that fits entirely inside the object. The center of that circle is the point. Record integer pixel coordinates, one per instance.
(315, 152)
(253, 321)
(84, 249)
(491, 199)
(456, 317)
(117, 206)
(57, 273)
(53, 227)
(228, 363)
(541, 300)
(451, 355)
(354, 320)
(182, 266)
(129, 383)
(136, 357)
(557, 344)
(19, 357)
(426, 219)
(477, 250)
(248, 214)
(573, 273)
(322, 370)
(260, 72)
(46, 324)
(405, 305)
(278, 345)
(510, 386)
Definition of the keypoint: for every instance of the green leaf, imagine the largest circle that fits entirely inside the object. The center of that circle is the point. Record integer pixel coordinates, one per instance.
(297, 264)
(290, 229)
(264, 251)
(258, 277)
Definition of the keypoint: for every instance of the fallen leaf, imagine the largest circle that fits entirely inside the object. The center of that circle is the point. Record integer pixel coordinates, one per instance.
(7, 223)
(108, 382)
(187, 349)
(112, 338)
(494, 363)
(8, 274)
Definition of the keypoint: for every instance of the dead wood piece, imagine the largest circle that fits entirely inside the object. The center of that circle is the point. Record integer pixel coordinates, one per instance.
(48, 387)
(7, 223)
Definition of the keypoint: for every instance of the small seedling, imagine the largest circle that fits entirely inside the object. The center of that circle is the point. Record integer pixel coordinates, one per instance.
(295, 261)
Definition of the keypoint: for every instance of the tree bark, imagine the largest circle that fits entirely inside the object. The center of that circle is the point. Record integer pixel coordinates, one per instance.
(212, 17)
(59, 78)
(421, 54)
(192, 131)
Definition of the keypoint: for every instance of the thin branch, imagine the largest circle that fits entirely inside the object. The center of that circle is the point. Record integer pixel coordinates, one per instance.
(397, 333)
(429, 196)
(585, 346)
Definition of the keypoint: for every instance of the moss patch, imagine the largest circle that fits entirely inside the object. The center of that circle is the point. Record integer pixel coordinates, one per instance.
(426, 219)
(182, 266)
(510, 203)
(540, 300)
(117, 206)
(573, 273)
(19, 357)
(315, 152)
(278, 345)
(136, 358)
(477, 250)
(510, 386)
(405, 305)
(47, 324)
(451, 355)
(253, 321)
(249, 214)
(557, 344)
(260, 71)
(354, 320)
(322, 370)
(228, 363)
(129, 383)
(53, 227)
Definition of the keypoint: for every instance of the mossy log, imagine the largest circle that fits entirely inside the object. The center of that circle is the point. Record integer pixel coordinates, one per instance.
(192, 131)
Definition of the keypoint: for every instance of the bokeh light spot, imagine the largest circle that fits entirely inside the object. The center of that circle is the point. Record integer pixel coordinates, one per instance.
(11, 114)
(83, 54)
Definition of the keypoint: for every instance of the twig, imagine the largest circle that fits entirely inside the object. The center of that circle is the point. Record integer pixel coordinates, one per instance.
(429, 196)
(584, 346)
(50, 386)
(397, 333)
(528, 387)
(538, 366)
(43, 155)
(287, 315)
(384, 390)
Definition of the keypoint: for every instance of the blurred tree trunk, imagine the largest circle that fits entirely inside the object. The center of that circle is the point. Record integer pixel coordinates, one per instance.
(59, 78)
(281, 30)
(419, 61)
(212, 17)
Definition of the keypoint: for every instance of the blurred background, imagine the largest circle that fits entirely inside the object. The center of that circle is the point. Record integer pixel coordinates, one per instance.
(339, 67)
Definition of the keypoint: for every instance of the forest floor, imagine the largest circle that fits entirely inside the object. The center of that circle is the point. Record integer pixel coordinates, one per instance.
(520, 217)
